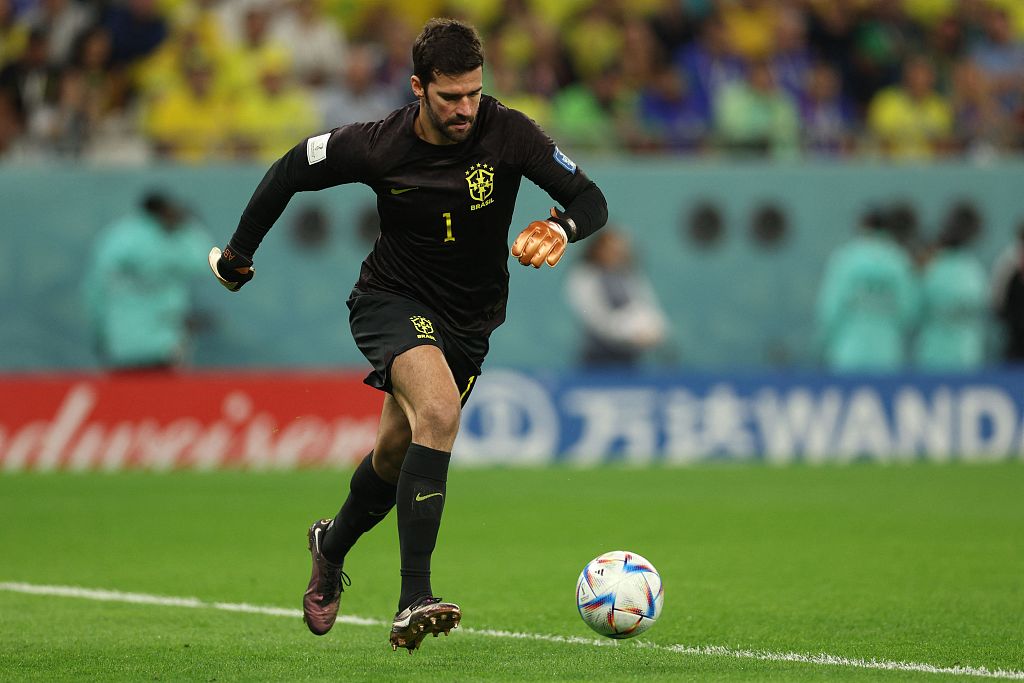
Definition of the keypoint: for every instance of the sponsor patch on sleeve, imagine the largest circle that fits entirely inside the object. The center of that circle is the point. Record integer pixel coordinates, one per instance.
(563, 161)
(316, 148)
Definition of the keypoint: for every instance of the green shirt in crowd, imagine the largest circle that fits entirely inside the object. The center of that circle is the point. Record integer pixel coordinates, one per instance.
(867, 306)
(954, 297)
(137, 290)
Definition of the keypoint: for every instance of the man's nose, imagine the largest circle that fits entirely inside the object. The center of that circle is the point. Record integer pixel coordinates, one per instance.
(464, 107)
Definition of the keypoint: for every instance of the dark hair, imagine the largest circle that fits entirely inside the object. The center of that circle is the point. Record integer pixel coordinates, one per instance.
(875, 218)
(962, 225)
(446, 46)
(156, 202)
(903, 222)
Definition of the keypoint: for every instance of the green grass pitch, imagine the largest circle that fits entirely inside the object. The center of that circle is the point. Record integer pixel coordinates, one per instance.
(921, 564)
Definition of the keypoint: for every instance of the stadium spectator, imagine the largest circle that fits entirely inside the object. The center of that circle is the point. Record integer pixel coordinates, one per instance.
(827, 118)
(868, 301)
(912, 120)
(674, 25)
(954, 299)
(358, 97)
(94, 118)
(671, 118)
(946, 46)
(32, 84)
(137, 286)
(978, 125)
(708, 64)
(270, 117)
(593, 114)
(226, 17)
(830, 28)
(393, 33)
(532, 54)
(755, 116)
(256, 46)
(13, 33)
(544, 51)
(509, 87)
(621, 318)
(317, 44)
(65, 127)
(750, 27)
(64, 21)
(640, 56)
(882, 37)
(791, 58)
(1000, 55)
(595, 39)
(191, 121)
(137, 28)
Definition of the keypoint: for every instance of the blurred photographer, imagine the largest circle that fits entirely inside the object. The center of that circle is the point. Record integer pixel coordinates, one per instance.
(137, 287)
(615, 303)
(954, 298)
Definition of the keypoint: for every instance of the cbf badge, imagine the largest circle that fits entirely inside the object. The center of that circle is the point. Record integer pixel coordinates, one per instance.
(481, 183)
(424, 328)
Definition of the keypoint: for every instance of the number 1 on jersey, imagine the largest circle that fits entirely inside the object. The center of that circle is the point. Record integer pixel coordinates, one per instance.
(448, 237)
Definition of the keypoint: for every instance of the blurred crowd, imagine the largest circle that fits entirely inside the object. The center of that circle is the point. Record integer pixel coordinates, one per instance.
(889, 301)
(129, 81)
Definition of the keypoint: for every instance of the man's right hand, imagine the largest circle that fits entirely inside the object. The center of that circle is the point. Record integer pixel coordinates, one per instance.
(231, 268)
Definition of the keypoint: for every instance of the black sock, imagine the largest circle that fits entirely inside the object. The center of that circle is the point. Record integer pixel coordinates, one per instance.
(421, 493)
(369, 500)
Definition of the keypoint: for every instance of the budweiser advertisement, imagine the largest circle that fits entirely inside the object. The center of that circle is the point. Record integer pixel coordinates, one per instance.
(161, 421)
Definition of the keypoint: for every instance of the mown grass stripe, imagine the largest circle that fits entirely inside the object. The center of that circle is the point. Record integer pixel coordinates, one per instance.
(820, 659)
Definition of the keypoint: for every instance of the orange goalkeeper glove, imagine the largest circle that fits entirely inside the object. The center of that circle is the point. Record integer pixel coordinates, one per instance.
(541, 241)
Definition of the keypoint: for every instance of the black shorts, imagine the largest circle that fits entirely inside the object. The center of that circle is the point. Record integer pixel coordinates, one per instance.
(385, 325)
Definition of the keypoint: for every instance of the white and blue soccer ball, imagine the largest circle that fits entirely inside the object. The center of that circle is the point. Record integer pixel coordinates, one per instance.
(619, 594)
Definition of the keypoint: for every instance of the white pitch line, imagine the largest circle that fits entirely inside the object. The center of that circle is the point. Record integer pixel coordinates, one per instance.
(821, 659)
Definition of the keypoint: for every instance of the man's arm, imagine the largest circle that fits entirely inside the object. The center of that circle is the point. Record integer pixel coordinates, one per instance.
(585, 214)
(586, 209)
(316, 163)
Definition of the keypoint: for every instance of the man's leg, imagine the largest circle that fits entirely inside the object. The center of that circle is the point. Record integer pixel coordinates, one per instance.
(373, 486)
(423, 385)
(371, 496)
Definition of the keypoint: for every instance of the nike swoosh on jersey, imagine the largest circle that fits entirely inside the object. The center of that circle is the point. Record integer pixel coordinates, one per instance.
(421, 497)
(395, 190)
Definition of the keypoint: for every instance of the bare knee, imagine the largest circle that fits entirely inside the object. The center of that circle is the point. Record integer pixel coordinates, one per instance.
(436, 423)
(424, 388)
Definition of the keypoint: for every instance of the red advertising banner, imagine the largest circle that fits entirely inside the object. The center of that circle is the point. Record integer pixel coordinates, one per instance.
(162, 421)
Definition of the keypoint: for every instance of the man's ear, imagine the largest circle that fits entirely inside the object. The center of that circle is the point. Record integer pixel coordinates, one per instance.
(417, 87)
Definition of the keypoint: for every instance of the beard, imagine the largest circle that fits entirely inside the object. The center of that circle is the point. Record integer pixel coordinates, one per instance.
(445, 127)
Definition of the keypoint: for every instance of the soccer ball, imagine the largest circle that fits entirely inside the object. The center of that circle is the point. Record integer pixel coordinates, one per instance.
(619, 594)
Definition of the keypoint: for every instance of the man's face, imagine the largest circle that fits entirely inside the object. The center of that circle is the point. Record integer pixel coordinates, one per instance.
(451, 103)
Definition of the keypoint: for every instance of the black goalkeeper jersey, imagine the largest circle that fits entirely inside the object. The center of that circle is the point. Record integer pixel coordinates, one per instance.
(445, 210)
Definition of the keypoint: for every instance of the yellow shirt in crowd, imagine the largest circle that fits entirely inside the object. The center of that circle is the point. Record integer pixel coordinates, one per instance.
(908, 128)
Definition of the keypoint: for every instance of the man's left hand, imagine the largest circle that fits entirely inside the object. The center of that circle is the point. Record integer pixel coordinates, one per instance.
(541, 241)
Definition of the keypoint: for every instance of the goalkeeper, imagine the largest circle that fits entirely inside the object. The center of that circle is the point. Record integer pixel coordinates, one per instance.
(446, 170)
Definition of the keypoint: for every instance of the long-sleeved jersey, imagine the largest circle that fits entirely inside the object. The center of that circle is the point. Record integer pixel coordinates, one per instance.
(445, 210)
